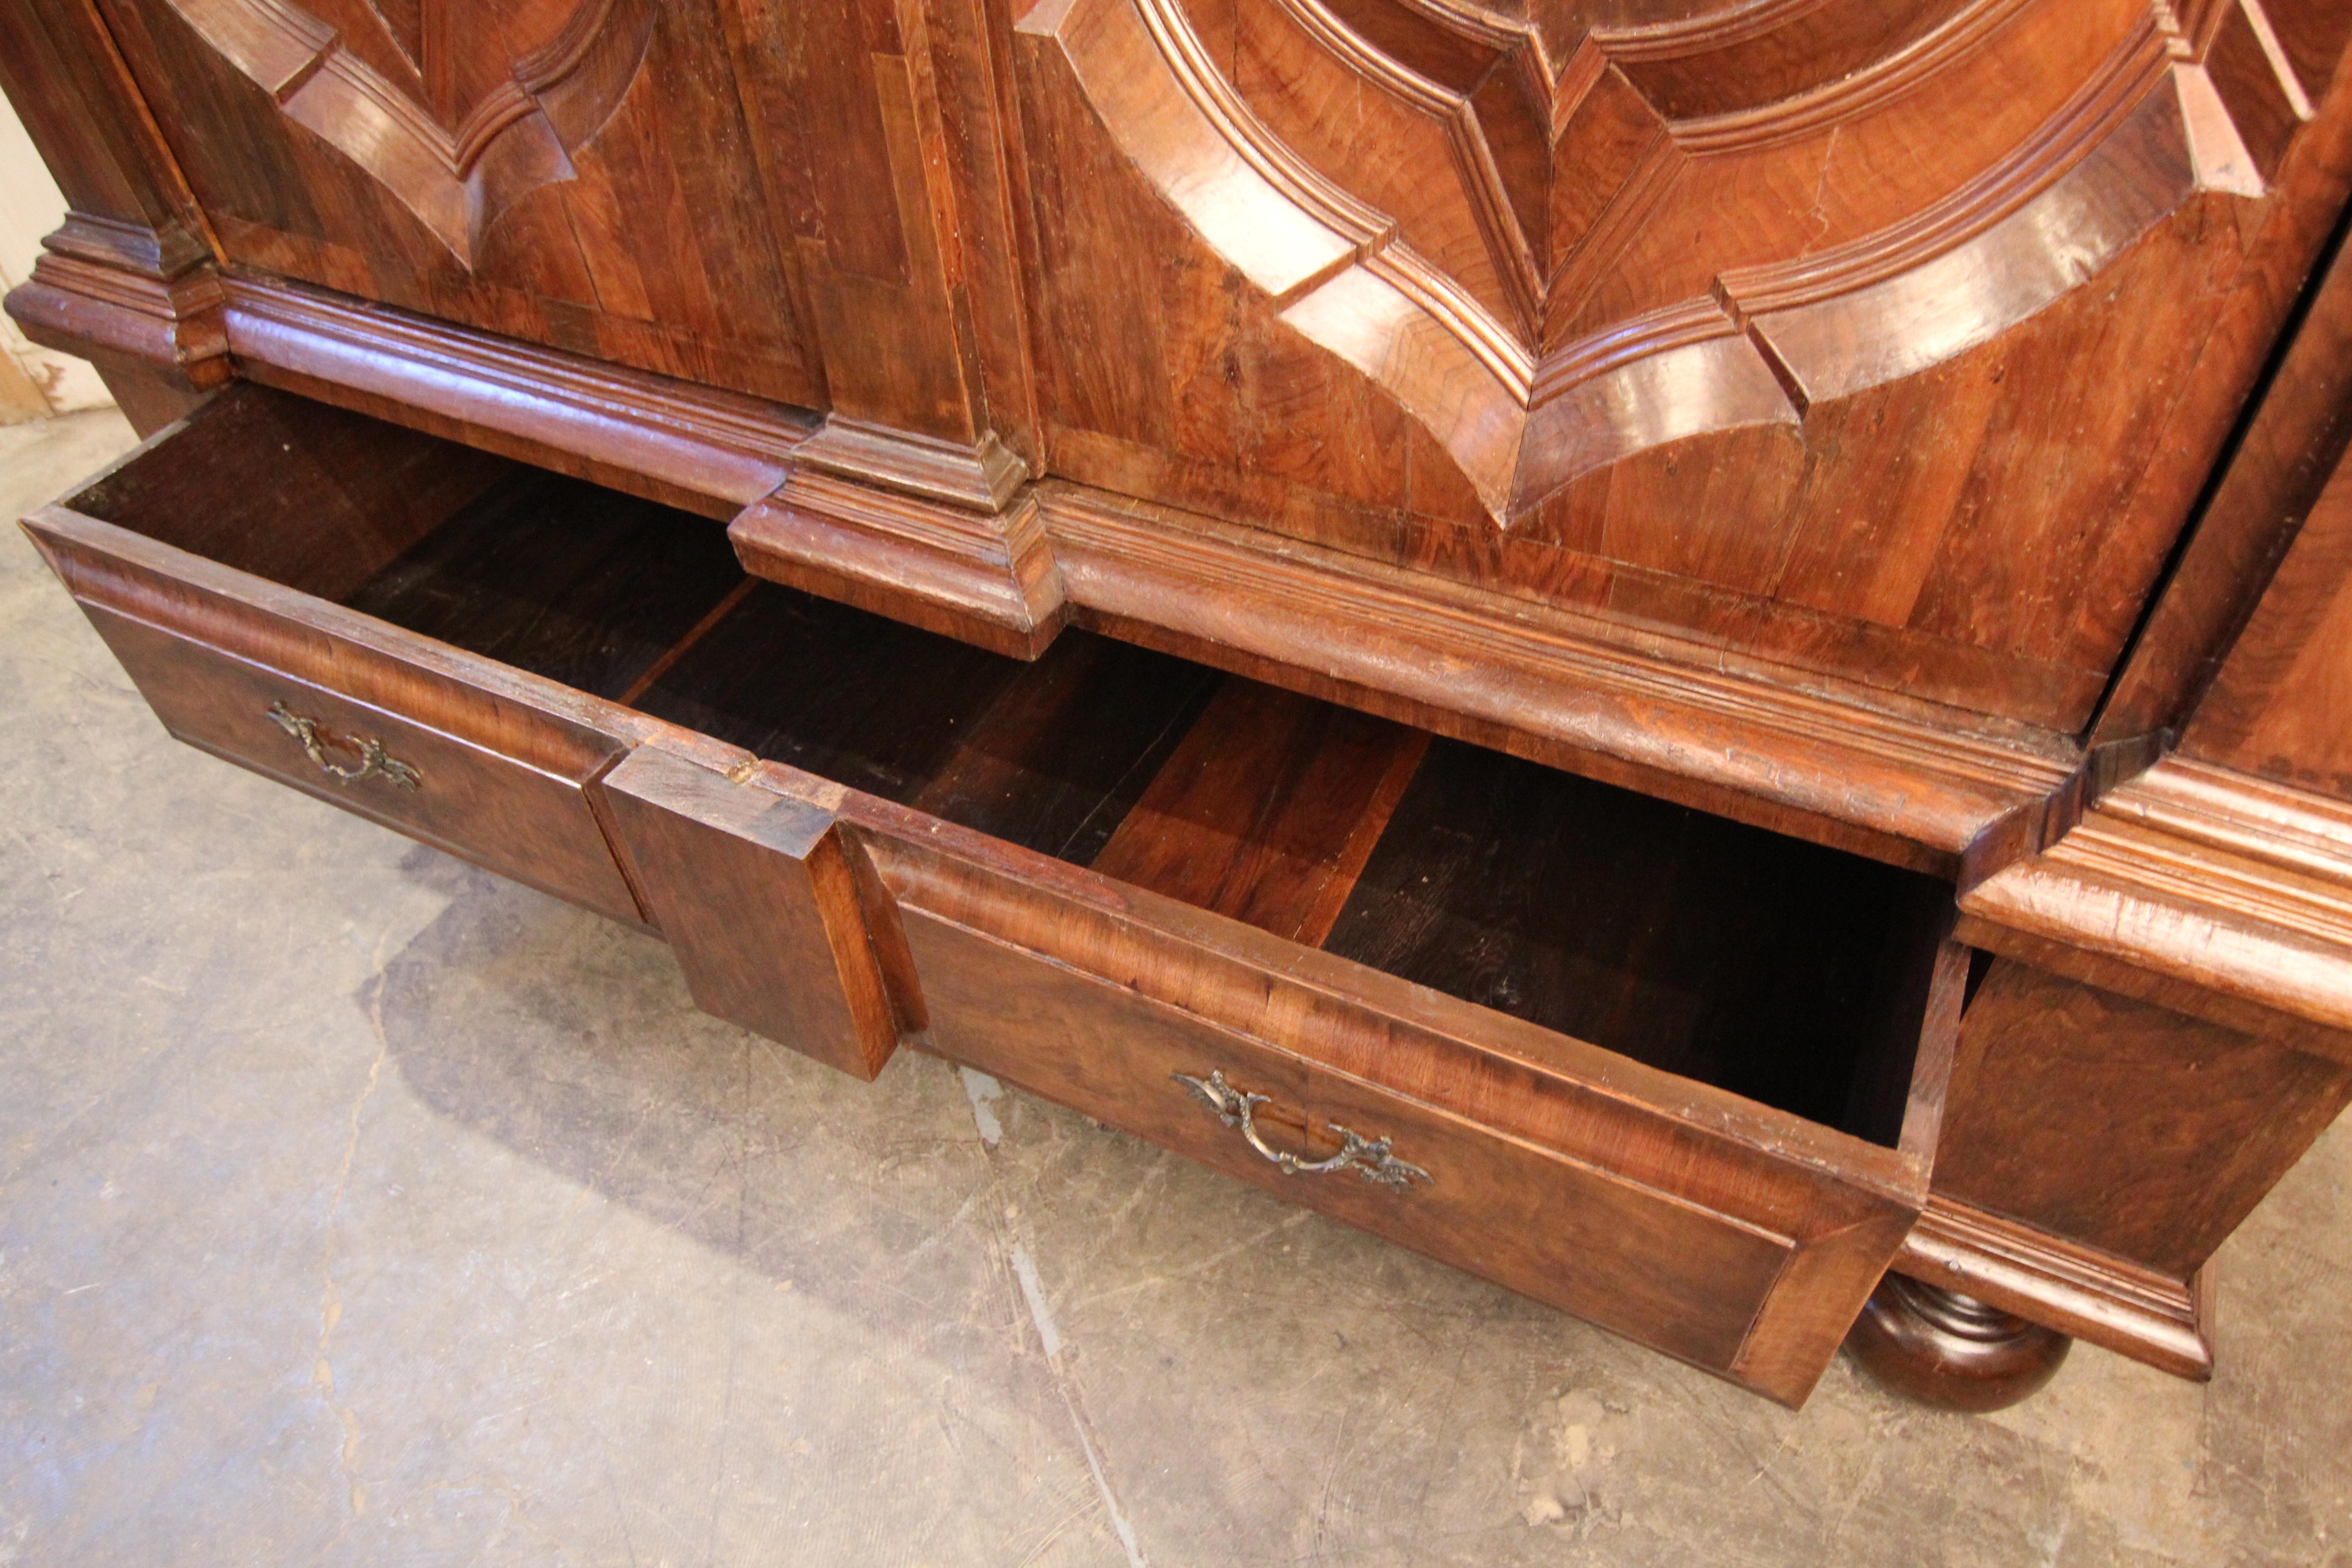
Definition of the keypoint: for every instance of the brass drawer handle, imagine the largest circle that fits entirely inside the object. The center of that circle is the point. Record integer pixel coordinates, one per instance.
(375, 762)
(1369, 1158)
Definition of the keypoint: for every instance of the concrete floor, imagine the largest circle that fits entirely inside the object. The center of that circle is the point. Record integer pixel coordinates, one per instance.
(358, 1208)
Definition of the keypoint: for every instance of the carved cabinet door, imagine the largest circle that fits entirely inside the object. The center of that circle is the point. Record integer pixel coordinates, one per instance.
(1887, 340)
(580, 174)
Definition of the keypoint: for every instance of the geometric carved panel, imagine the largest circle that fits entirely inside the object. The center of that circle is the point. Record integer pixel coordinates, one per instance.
(1883, 338)
(1555, 242)
(458, 109)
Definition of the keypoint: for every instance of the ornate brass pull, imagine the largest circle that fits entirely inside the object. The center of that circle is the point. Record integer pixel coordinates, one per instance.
(375, 762)
(1369, 1158)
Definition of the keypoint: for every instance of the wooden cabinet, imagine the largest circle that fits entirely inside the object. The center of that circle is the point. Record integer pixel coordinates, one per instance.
(1579, 633)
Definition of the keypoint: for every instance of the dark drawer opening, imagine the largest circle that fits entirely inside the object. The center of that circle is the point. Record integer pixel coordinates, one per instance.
(551, 575)
(1794, 974)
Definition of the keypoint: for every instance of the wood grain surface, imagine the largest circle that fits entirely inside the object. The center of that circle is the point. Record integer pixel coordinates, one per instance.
(1268, 810)
(1592, 311)
(562, 578)
(2195, 1122)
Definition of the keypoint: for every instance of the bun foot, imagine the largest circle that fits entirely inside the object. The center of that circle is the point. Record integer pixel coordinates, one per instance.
(1951, 1351)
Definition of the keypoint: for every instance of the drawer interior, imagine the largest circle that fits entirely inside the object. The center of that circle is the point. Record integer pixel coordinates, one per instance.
(551, 575)
(1793, 974)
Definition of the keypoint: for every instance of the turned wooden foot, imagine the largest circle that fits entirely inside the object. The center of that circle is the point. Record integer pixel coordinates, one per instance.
(1951, 1351)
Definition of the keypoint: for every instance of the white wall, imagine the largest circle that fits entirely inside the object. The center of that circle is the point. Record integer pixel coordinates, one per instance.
(34, 381)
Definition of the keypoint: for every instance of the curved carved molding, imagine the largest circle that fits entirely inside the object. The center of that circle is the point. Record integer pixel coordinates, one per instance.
(1491, 216)
(459, 114)
(1839, 60)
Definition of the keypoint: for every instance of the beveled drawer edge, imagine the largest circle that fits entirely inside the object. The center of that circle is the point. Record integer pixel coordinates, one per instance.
(298, 633)
(1939, 1052)
(1819, 1292)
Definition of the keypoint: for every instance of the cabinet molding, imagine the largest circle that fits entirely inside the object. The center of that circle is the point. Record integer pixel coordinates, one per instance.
(2091, 1295)
(2205, 889)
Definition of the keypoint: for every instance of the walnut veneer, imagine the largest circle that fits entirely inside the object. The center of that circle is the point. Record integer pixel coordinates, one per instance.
(1663, 648)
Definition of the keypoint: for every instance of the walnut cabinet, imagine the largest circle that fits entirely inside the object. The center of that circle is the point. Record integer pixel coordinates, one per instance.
(1678, 651)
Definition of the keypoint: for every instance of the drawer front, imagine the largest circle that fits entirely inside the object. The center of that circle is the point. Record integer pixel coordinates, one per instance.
(1625, 1200)
(772, 908)
(518, 818)
(1666, 1273)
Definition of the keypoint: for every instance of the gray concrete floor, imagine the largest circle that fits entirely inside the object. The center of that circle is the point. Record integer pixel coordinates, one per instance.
(358, 1208)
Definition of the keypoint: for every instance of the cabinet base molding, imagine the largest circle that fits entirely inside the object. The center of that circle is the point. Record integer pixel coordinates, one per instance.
(697, 448)
(1899, 780)
(120, 295)
(985, 578)
(863, 519)
(2075, 1290)
(2200, 888)
(983, 477)
(1952, 1350)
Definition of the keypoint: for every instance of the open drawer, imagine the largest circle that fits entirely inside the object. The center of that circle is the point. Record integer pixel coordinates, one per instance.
(252, 569)
(1674, 1075)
